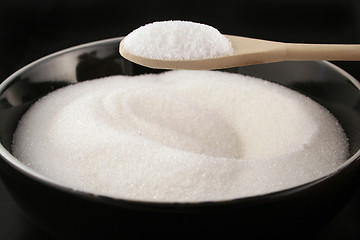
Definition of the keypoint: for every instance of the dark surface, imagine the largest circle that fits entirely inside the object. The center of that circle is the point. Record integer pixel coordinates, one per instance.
(32, 29)
(16, 226)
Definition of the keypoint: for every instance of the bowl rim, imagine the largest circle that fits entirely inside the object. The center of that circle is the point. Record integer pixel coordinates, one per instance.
(6, 156)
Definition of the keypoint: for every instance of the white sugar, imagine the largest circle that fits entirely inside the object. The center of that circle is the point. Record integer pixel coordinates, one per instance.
(177, 40)
(180, 136)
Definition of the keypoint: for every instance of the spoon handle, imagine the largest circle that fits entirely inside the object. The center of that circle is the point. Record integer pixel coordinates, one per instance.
(334, 52)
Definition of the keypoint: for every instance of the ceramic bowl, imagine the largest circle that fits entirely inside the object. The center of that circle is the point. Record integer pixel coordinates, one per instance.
(68, 213)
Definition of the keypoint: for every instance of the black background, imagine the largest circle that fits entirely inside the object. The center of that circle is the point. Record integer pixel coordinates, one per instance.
(33, 29)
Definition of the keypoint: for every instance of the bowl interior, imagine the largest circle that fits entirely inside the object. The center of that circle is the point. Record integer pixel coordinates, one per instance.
(323, 82)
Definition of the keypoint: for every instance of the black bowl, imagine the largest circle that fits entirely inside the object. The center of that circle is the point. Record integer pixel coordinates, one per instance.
(68, 213)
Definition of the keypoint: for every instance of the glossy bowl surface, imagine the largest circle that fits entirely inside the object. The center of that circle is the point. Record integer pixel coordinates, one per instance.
(68, 213)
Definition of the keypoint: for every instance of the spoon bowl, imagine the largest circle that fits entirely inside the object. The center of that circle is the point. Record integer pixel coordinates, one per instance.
(249, 51)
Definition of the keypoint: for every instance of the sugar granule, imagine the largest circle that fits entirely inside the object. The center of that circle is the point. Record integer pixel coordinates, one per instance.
(177, 40)
(179, 136)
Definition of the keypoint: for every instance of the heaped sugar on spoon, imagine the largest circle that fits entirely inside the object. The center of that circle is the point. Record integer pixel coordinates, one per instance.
(189, 45)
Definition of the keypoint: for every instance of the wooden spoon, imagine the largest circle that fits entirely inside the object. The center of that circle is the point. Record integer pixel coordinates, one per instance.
(248, 51)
